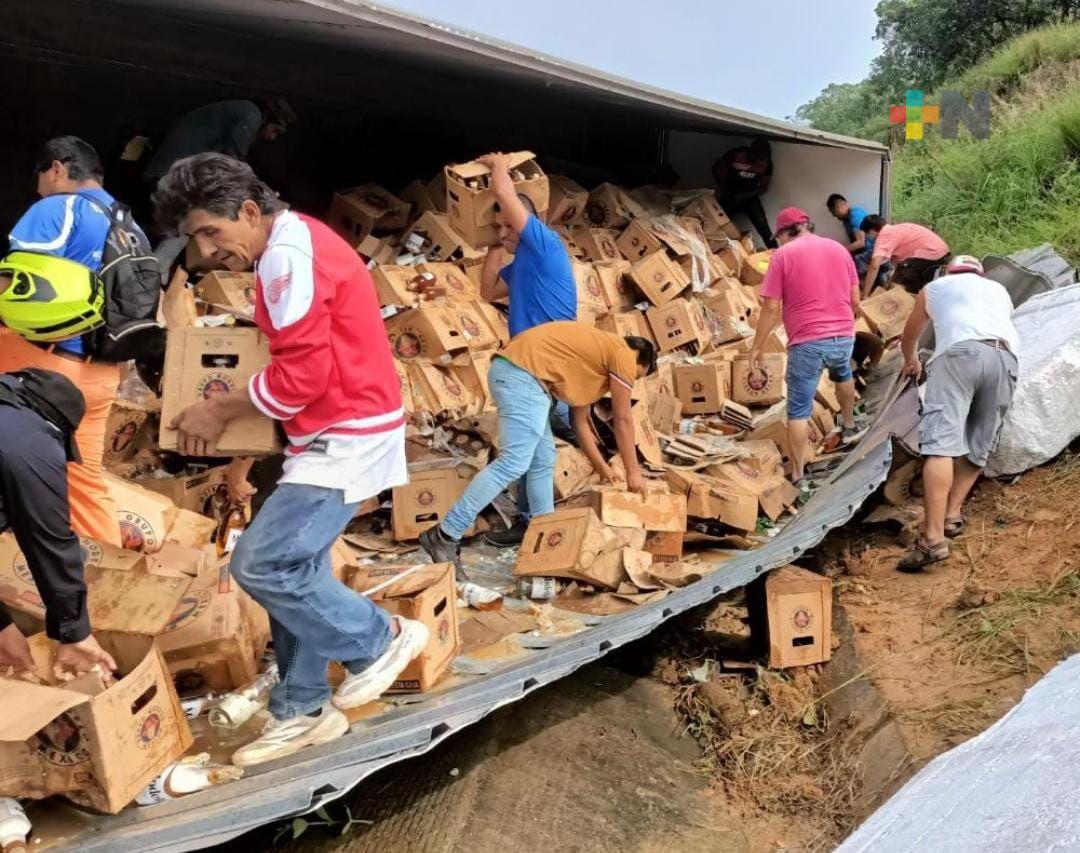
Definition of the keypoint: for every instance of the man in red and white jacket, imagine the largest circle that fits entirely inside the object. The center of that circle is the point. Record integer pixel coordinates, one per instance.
(332, 384)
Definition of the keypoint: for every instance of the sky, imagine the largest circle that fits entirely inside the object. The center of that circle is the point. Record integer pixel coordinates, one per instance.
(759, 56)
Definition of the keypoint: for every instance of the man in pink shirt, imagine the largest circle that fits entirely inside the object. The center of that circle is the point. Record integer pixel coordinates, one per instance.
(812, 282)
(917, 252)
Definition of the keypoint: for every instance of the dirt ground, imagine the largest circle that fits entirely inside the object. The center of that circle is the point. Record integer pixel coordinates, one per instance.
(659, 747)
(953, 648)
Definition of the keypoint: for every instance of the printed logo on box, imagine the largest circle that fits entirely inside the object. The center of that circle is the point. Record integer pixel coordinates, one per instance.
(214, 384)
(757, 379)
(191, 607)
(469, 326)
(123, 437)
(608, 248)
(426, 498)
(375, 200)
(747, 470)
(554, 539)
(407, 345)
(455, 283)
(136, 533)
(90, 551)
(149, 729)
(592, 285)
(697, 386)
(63, 742)
(597, 212)
(889, 307)
(453, 387)
(444, 631)
(571, 211)
(802, 618)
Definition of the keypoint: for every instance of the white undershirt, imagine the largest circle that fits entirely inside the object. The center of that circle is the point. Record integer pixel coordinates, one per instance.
(360, 465)
(968, 307)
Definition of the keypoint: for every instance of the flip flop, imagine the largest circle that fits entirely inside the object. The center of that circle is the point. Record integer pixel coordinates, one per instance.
(955, 526)
(922, 554)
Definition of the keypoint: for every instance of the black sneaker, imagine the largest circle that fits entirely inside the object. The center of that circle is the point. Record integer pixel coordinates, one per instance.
(510, 537)
(440, 547)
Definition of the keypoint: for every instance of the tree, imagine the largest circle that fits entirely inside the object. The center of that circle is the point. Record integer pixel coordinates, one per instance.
(924, 43)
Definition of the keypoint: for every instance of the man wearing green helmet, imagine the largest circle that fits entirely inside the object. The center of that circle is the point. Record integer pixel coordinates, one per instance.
(58, 243)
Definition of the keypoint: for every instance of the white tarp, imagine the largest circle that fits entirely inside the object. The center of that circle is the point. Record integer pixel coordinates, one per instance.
(1045, 415)
(1010, 788)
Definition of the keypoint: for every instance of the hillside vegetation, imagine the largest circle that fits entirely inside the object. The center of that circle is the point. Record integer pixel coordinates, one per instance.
(1020, 187)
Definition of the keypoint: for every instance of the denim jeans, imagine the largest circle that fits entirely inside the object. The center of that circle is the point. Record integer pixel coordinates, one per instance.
(283, 562)
(805, 363)
(560, 415)
(526, 447)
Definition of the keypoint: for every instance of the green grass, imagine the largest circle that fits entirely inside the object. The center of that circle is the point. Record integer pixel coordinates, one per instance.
(1020, 187)
(1024, 54)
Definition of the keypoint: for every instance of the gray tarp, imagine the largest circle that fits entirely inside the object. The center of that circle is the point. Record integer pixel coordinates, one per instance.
(1010, 788)
(1045, 414)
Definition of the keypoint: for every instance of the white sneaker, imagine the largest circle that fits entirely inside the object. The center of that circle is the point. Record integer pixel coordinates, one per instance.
(367, 686)
(284, 737)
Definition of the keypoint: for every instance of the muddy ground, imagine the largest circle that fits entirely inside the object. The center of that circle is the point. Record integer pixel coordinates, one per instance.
(657, 747)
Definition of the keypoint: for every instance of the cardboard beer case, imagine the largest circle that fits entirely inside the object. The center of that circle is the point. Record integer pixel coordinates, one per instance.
(424, 501)
(659, 278)
(355, 213)
(427, 594)
(428, 332)
(98, 744)
(702, 388)
(126, 420)
(145, 517)
(202, 362)
(597, 244)
(758, 386)
(216, 635)
(471, 205)
(234, 291)
(566, 201)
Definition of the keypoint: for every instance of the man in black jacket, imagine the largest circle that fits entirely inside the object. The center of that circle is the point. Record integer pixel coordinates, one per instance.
(39, 413)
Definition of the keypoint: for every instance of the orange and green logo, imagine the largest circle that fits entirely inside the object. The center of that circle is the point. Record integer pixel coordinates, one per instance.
(954, 110)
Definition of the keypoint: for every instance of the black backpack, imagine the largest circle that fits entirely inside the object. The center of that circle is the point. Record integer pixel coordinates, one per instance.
(132, 278)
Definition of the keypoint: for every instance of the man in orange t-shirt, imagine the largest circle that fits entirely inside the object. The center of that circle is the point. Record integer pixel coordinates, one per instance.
(917, 252)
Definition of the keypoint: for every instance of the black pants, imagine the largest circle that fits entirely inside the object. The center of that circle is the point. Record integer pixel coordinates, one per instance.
(753, 210)
(915, 273)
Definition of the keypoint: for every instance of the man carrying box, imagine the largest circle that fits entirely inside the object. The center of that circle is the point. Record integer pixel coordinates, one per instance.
(538, 281)
(812, 280)
(331, 382)
(571, 362)
(39, 413)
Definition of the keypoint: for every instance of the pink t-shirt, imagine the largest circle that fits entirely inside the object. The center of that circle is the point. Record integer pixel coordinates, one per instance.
(812, 277)
(908, 240)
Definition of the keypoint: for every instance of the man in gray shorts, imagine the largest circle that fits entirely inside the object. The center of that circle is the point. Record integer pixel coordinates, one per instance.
(969, 388)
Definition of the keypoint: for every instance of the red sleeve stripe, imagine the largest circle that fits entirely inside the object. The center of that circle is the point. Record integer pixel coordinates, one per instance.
(627, 385)
(266, 403)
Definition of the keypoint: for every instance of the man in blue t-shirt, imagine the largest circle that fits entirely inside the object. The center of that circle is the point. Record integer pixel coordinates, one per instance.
(860, 244)
(539, 282)
(66, 223)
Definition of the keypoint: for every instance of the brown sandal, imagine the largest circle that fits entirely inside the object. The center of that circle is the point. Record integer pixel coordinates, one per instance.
(922, 554)
(955, 526)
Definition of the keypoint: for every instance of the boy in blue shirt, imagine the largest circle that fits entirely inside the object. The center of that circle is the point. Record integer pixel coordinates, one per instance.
(538, 281)
(860, 244)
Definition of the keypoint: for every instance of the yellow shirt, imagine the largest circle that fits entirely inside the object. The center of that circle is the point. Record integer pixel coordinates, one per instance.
(575, 361)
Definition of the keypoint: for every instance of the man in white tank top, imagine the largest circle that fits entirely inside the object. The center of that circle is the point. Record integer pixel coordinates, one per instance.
(969, 388)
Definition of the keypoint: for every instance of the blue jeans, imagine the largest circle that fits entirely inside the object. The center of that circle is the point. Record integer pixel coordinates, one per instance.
(526, 447)
(804, 366)
(561, 411)
(283, 562)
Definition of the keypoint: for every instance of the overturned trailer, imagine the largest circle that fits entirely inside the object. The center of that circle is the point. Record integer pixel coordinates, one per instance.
(387, 97)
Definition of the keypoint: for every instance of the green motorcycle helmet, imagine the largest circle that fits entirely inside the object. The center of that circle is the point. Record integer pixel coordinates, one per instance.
(49, 298)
